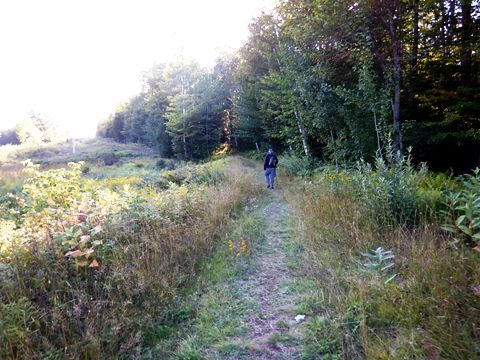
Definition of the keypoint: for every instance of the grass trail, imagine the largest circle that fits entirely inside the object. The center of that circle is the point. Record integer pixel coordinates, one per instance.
(248, 310)
(274, 333)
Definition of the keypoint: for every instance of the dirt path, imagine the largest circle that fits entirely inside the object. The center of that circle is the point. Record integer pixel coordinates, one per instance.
(274, 333)
(248, 311)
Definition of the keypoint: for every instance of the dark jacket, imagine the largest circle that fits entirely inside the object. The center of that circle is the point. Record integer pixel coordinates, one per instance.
(271, 161)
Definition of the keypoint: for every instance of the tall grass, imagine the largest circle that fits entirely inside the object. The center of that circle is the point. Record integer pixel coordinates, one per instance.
(62, 152)
(430, 310)
(90, 272)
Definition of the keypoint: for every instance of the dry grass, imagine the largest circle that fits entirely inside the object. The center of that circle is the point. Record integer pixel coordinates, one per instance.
(61, 153)
(149, 254)
(431, 310)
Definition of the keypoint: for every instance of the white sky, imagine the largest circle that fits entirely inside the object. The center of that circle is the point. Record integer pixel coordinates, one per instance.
(74, 61)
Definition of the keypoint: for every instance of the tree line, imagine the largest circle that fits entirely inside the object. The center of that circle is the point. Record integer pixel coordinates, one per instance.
(336, 80)
(184, 110)
(34, 129)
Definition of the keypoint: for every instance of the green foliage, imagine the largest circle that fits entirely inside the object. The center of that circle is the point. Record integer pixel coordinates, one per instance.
(314, 76)
(464, 210)
(432, 193)
(27, 132)
(418, 315)
(37, 129)
(89, 271)
(379, 261)
(390, 191)
(186, 111)
(255, 155)
(52, 188)
(293, 165)
(18, 325)
(165, 164)
(387, 193)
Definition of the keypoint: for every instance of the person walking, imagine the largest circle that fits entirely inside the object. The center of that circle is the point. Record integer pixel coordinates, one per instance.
(269, 167)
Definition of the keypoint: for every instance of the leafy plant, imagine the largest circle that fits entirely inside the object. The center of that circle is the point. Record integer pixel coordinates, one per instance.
(464, 210)
(75, 254)
(294, 165)
(17, 326)
(387, 193)
(380, 261)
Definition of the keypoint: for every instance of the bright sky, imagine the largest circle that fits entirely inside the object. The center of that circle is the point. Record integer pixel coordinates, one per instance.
(74, 61)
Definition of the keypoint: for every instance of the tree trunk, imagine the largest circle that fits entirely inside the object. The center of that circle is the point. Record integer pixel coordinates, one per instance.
(303, 134)
(414, 56)
(301, 128)
(332, 139)
(377, 130)
(184, 122)
(448, 30)
(466, 42)
(393, 17)
(206, 130)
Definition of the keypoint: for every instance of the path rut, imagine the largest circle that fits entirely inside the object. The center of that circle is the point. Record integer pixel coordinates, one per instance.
(274, 333)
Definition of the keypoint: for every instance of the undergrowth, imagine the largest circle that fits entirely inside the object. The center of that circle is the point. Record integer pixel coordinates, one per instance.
(92, 271)
(429, 309)
(220, 303)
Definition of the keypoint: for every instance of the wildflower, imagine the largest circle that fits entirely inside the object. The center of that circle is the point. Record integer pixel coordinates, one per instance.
(243, 247)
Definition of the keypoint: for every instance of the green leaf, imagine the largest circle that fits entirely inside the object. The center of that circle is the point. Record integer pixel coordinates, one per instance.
(465, 229)
(460, 220)
(390, 278)
(386, 267)
(449, 228)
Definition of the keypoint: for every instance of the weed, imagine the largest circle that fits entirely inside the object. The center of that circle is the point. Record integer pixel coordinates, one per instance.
(281, 338)
(380, 262)
(429, 311)
(101, 270)
(464, 208)
(293, 165)
(221, 305)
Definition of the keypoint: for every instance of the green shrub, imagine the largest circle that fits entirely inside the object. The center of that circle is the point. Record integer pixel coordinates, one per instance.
(51, 188)
(19, 321)
(210, 173)
(86, 169)
(165, 164)
(387, 193)
(293, 165)
(110, 159)
(255, 155)
(100, 268)
(433, 190)
(429, 310)
(464, 210)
